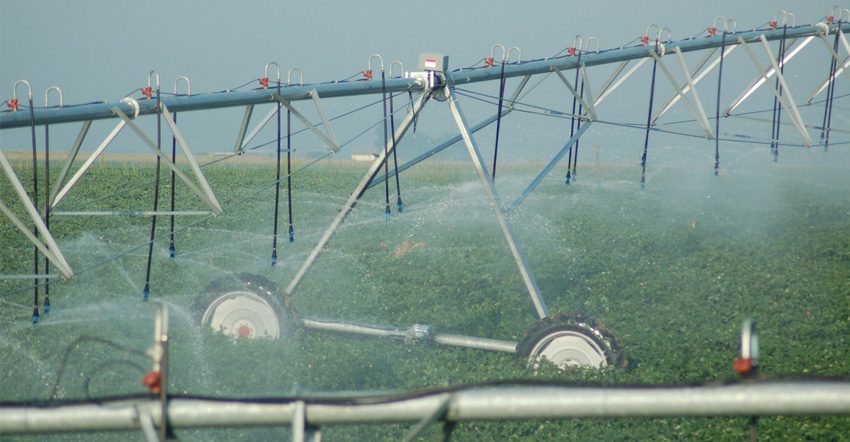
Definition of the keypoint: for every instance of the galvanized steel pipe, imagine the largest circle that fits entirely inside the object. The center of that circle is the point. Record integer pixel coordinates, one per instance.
(479, 404)
(217, 100)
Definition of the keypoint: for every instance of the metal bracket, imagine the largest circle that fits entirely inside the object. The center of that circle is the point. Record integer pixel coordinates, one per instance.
(696, 107)
(842, 66)
(51, 249)
(240, 136)
(787, 99)
(72, 156)
(586, 104)
(89, 161)
(207, 196)
(761, 79)
(684, 87)
(329, 138)
(608, 88)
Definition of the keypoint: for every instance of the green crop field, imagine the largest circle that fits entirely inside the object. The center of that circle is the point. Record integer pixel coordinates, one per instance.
(672, 269)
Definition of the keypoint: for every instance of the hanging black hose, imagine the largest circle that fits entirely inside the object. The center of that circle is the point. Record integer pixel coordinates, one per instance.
(410, 100)
(717, 114)
(578, 122)
(386, 151)
(648, 120)
(830, 93)
(399, 204)
(499, 117)
(777, 105)
(173, 161)
(572, 158)
(46, 302)
(147, 290)
(572, 132)
(276, 184)
(35, 314)
(289, 172)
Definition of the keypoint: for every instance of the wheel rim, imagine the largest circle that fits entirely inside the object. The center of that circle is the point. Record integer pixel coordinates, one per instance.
(568, 348)
(242, 314)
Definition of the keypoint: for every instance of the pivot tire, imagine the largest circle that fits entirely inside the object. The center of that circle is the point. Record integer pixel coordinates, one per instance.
(572, 340)
(245, 305)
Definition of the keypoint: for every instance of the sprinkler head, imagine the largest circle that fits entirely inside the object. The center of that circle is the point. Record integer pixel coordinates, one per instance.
(46, 306)
(35, 317)
(171, 252)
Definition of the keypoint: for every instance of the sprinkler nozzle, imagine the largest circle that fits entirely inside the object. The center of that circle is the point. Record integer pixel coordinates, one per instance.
(35, 316)
(274, 258)
(400, 205)
(171, 252)
(291, 234)
(46, 306)
(146, 293)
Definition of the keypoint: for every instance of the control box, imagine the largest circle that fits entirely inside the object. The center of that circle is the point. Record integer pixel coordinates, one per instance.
(433, 62)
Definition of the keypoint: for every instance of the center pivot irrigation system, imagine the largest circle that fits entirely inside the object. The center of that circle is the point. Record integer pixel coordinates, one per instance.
(252, 306)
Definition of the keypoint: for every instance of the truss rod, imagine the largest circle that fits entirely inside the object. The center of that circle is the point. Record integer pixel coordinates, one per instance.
(516, 251)
(355, 195)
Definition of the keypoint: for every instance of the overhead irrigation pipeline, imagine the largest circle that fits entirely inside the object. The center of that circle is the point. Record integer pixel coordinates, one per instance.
(185, 103)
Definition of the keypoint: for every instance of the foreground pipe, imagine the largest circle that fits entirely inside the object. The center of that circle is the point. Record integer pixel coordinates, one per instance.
(478, 404)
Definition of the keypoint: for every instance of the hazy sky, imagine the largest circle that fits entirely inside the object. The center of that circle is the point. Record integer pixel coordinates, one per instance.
(98, 50)
(103, 50)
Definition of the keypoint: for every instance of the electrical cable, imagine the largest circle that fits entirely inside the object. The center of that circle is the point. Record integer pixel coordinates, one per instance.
(63, 365)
